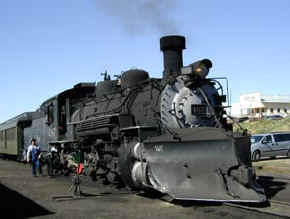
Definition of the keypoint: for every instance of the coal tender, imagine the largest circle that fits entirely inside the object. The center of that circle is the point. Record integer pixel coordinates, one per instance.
(169, 134)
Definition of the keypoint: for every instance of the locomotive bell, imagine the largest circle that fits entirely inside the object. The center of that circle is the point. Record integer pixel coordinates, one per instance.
(199, 68)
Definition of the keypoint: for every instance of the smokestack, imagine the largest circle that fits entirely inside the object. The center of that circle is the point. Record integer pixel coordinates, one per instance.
(172, 47)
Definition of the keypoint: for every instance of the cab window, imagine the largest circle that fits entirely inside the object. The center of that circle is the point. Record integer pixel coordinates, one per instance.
(49, 114)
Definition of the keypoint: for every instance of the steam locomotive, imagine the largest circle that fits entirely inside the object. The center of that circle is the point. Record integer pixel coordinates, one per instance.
(169, 134)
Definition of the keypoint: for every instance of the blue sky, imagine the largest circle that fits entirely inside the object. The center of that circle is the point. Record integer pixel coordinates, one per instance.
(48, 46)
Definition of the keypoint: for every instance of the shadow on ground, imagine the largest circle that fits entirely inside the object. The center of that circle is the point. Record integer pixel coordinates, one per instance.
(16, 205)
(271, 186)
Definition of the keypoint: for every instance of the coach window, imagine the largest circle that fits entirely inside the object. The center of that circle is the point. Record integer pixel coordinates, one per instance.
(1, 139)
(5, 138)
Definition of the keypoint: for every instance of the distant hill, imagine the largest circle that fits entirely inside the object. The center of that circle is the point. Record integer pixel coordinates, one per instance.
(263, 126)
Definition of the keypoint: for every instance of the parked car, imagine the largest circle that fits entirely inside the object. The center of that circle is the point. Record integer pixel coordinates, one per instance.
(270, 145)
(273, 117)
(242, 119)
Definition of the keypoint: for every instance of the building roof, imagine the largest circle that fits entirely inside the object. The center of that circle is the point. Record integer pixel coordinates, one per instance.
(275, 99)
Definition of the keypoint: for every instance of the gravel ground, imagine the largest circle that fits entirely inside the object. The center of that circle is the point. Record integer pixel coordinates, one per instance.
(279, 167)
(24, 196)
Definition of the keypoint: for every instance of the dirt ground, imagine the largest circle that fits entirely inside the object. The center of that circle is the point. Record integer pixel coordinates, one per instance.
(279, 167)
(24, 196)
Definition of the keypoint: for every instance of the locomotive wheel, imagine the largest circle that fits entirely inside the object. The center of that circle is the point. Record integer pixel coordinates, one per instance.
(108, 168)
(126, 162)
(110, 178)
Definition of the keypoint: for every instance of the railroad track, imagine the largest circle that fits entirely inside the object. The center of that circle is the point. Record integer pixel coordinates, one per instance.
(275, 208)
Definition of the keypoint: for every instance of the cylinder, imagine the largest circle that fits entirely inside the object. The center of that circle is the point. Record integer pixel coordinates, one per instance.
(172, 47)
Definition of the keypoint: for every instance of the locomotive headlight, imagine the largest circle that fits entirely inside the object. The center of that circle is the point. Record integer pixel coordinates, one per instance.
(198, 70)
(201, 71)
(201, 68)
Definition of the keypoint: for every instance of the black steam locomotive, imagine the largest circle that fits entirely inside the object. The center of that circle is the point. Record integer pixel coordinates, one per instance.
(167, 134)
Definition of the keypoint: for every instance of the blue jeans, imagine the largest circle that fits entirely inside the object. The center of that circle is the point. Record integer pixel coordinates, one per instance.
(36, 167)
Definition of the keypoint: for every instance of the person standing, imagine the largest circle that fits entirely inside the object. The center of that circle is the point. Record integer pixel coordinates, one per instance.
(33, 152)
(51, 160)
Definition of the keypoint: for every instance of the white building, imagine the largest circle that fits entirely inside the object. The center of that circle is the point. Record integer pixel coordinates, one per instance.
(258, 105)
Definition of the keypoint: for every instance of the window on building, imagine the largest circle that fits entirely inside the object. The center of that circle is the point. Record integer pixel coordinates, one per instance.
(258, 110)
(285, 110)
(271, 110)
(263, 110)
(278, 110)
